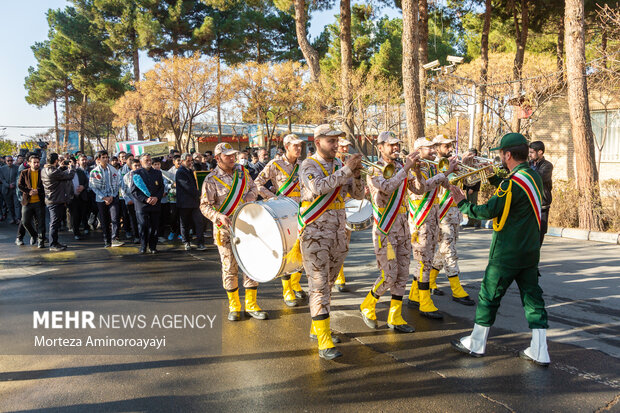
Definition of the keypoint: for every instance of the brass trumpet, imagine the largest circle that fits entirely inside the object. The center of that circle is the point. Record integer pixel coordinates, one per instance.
(387, 171)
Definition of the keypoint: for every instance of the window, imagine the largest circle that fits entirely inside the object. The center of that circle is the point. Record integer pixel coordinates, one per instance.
(611, 148)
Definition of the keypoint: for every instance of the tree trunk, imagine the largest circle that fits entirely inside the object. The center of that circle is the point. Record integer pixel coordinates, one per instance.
(82, 124)
(346, 64)
(484, 66)
(311, 55)
(423, 53)
(579, 112)
(136, 78)
(521, 41)
(559, 52)
(411, 81)
(219, 98)
(56, 131)
(604, 47)
(66, 112)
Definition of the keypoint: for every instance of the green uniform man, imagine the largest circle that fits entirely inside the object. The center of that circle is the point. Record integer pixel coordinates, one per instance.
(515, 250)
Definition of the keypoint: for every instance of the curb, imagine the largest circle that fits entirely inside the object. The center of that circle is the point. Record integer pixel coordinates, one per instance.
(575, 233)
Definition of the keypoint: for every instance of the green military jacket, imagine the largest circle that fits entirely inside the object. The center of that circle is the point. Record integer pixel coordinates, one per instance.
(517, 245)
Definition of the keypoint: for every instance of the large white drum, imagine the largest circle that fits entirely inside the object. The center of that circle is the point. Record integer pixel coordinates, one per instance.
(265, 232)
(359, 214)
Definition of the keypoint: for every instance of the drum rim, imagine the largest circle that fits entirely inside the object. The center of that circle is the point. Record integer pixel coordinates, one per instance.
(361, 225)
(273, 215)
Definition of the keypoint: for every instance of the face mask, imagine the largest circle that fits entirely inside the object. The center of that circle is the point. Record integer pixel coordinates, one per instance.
(243, 162)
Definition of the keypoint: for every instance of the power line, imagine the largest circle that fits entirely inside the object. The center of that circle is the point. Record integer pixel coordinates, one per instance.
(26, 127)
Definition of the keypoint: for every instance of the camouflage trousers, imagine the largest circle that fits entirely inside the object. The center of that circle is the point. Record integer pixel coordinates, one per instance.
(324, 247)
(230, 268)
(424, 243)
(394, 272)
(446, 255)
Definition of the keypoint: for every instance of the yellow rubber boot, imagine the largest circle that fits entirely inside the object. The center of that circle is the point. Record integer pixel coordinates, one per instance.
(368, 310)
(427, 308)
(458, 293)
(287, 293)
(414, 295)
(340, 281)
(297, 290)
(327, 349)
(234, 305)
(251, 306)
(313, 335)
(395, 319)
(433, 278)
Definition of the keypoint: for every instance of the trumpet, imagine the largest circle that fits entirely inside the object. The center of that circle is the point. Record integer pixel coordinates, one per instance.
(387, 171)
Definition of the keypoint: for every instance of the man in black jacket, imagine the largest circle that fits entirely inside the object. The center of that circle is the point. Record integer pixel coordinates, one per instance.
(147, 192)
(79, 205)
(57, 183)
(545, 170)
(33, 195)
(188, 203)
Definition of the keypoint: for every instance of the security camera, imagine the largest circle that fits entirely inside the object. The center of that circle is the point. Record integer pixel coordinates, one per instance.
(431, 65)
(455, 59)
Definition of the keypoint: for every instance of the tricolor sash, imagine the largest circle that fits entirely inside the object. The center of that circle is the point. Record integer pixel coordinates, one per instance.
(444, 204)
(384, 220)
(235, 193)
(318, 205)
(291, 183)
(527, 183)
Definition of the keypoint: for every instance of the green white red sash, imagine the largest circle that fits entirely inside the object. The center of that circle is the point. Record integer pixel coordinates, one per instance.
(419, 213)
(318, 205)
(527, 183)
(291, 183)
(444, 204)
(385, 220)
(235, 194)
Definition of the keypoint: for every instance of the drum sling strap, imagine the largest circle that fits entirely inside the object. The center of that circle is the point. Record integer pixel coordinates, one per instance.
(311, 213)
(234, 197)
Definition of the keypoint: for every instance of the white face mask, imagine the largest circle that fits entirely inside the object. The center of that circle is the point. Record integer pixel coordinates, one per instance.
(243, 162)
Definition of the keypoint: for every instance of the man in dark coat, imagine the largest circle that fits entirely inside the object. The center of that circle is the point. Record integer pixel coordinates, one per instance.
(147, 191)
(545, 170)
(188, 203)
(57, 182)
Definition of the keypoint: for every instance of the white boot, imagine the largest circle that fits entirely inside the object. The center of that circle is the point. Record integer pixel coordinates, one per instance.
(477, 341)
(537, 351)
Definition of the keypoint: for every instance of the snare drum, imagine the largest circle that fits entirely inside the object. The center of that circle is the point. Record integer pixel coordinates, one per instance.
(359, 214)
(265, 232)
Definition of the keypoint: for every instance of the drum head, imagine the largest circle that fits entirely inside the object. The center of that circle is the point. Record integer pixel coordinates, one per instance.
(355, 214)
(261, 248)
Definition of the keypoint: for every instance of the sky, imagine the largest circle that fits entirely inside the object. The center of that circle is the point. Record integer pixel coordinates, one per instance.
(24, 23)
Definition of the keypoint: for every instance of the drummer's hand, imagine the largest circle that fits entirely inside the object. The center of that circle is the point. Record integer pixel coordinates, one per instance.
(354, 163)
(223, 220)
(457, 193)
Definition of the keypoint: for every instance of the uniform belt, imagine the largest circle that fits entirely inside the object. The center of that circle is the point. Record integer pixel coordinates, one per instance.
(333, 205)
(401, 210)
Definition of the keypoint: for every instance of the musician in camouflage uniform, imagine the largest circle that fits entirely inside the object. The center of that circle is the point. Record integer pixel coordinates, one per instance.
(425, 229)
(223, 191)
(449, 218)
(343, 150)
(325, 181)
(283, 174)
(390, 235)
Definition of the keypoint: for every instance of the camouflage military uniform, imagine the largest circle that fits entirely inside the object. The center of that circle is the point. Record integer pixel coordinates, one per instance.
(213, 196)
(446, 255)
(394, 272)
(323, 242)
(425, 240)
(273, 172)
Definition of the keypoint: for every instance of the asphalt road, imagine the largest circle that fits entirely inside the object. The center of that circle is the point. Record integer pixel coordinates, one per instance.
(273, 366)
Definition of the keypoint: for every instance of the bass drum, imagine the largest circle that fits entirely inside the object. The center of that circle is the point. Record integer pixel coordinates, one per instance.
(265, 232)
(359, 214)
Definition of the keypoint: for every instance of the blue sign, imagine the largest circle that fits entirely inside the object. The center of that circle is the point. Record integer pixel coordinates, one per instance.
(74, 140)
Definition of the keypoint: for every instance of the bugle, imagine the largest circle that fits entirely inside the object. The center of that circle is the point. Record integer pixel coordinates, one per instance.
(387, 171)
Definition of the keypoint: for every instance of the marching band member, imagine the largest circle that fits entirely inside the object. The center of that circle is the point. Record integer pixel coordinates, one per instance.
(390, 235)
(324, 183)
(425, 228)
(283, 174)
(449, 218)
(226, 188)
(343, 149)
(515, 250)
